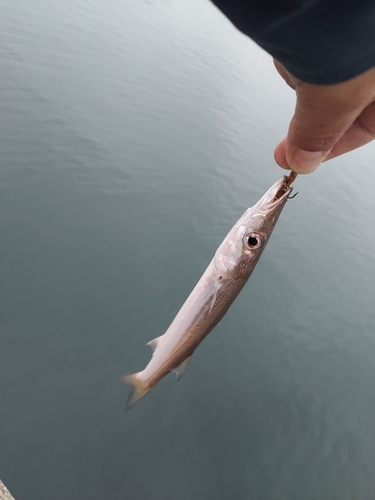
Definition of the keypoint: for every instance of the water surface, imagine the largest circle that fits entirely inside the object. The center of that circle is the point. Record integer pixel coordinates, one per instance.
(132, 136)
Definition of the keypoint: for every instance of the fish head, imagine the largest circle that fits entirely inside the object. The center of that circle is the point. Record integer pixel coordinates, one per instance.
(244, 244)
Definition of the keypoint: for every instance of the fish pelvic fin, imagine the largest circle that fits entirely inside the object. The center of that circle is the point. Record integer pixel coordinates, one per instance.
(179, 370)
(139, 389)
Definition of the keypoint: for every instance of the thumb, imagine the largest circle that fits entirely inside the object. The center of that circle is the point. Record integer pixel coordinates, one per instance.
(322, 116)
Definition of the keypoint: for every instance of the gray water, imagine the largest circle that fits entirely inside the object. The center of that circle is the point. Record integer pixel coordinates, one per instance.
(133, 135)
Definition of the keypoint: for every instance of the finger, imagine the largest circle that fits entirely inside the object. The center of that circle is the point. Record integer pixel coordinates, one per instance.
(280, 155)
(319, 122)
(361, 132)
(328, 121)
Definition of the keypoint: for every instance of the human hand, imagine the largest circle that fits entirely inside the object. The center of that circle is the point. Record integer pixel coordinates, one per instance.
(329, 120)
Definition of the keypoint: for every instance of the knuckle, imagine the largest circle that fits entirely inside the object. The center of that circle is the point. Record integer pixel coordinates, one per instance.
(312, 141)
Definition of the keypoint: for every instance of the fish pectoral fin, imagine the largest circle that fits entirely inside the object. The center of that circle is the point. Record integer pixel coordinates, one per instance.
(154, 343)
(139, 389)
(179, 370)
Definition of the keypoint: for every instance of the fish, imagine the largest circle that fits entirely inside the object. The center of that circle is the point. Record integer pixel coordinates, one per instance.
(220, 284)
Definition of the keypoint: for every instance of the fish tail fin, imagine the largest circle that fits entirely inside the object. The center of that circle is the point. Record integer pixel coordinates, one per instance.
(139, 389)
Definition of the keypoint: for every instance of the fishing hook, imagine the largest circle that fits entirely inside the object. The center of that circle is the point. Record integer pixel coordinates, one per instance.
(291, 197)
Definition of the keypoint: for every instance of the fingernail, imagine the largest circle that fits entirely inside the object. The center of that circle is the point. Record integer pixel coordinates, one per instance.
(305, 162)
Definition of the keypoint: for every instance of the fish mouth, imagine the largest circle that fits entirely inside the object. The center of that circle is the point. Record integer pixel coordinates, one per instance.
(285, 188)
(276, 195)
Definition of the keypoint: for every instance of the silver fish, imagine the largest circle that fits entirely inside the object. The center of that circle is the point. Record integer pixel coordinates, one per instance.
(224, 278)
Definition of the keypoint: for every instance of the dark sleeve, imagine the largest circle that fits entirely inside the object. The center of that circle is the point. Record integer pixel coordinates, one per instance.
(318, 41)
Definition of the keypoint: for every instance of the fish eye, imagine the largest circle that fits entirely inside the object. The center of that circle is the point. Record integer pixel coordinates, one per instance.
(252, 241)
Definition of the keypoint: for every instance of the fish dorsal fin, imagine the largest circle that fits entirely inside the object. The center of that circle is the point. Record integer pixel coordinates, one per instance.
(179, 370)
(154, 343)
